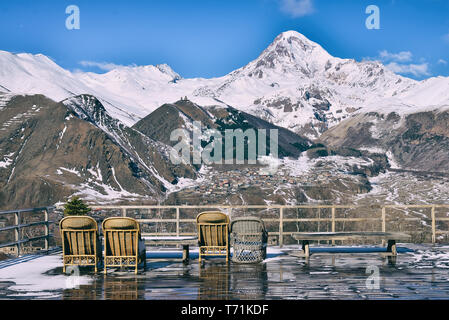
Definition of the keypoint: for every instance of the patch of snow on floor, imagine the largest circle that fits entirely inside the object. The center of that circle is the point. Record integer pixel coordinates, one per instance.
(30, 276)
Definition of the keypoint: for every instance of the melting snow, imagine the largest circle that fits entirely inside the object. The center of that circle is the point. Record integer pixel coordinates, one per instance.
(30, 277)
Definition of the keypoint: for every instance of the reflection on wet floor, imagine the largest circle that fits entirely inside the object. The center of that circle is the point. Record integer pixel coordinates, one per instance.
(232, 281)
(421, 274)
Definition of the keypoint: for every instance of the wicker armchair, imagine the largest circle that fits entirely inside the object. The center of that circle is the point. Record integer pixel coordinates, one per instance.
(249, 240)
(213, 234)
(123, 245)
(80, 242)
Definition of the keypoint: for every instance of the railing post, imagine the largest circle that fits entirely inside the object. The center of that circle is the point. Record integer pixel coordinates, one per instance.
(46, 229)
(281, 227)
(319, 219)
(17, 231)
(333, 222)
(384, 223)
(177, 221)
(433, 225)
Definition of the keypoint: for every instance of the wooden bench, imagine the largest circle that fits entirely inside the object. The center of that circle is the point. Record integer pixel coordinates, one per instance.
(390, 237)
(185, 242)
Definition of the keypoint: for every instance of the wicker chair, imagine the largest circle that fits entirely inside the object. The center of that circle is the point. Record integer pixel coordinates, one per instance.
(213, 234)
(123, 245)
(80, 241)
(249, 240)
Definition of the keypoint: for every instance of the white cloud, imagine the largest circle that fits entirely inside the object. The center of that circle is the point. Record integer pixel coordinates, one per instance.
(402, 63)
(442, 61)
(106, 66)
(417, 70)
(297, 8)
(403, 56)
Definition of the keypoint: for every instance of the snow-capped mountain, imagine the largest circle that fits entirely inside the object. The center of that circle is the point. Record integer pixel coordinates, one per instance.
(294, 83)
(106, 135)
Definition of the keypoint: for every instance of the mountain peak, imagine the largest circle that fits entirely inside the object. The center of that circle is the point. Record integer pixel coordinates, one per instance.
(165, 68)
(291, 34)
(297, 44)
(290, 52)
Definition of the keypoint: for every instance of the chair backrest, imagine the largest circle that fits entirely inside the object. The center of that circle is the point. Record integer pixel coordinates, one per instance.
(121, 236)
(79, 235)
(213, 229)
(247, 225)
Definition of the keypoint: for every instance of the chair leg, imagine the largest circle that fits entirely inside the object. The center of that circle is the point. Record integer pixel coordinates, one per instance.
(391, 248)
(306, 248)
(185, 253)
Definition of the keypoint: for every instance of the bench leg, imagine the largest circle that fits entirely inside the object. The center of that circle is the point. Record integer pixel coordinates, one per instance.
(391, 248)
(306, 248)
(185, 254)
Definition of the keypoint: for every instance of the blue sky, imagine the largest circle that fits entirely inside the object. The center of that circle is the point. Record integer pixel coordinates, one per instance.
(200, 38)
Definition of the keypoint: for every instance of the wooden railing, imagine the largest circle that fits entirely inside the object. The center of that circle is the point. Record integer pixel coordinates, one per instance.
(18, 226)
(384, 217)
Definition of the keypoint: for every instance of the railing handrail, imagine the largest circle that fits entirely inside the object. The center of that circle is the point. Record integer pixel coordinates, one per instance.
(333, 219)
(250, 206)
(28, 210)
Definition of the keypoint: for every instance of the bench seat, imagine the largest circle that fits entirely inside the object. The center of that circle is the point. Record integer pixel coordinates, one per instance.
(390, 237)
(185, 242)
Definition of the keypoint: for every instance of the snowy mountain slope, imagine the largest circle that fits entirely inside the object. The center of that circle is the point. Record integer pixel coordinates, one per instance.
(428, 95)
(5, 98)
(417, 140)
(182, 114)
(429, 92)
(152, 156)
(410, 128)
(294, 83)
(37, 74)
(50, 151)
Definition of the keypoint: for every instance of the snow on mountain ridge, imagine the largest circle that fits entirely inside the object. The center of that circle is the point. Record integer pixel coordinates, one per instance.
(294, 83)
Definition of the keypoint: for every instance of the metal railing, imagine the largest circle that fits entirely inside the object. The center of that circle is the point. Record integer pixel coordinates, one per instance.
(18, 226)
(383, 218)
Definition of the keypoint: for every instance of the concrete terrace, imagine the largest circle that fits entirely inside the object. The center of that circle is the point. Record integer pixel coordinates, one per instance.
(420, 272)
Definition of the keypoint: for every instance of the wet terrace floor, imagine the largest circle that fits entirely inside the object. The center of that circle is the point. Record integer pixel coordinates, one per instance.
(420, 272)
